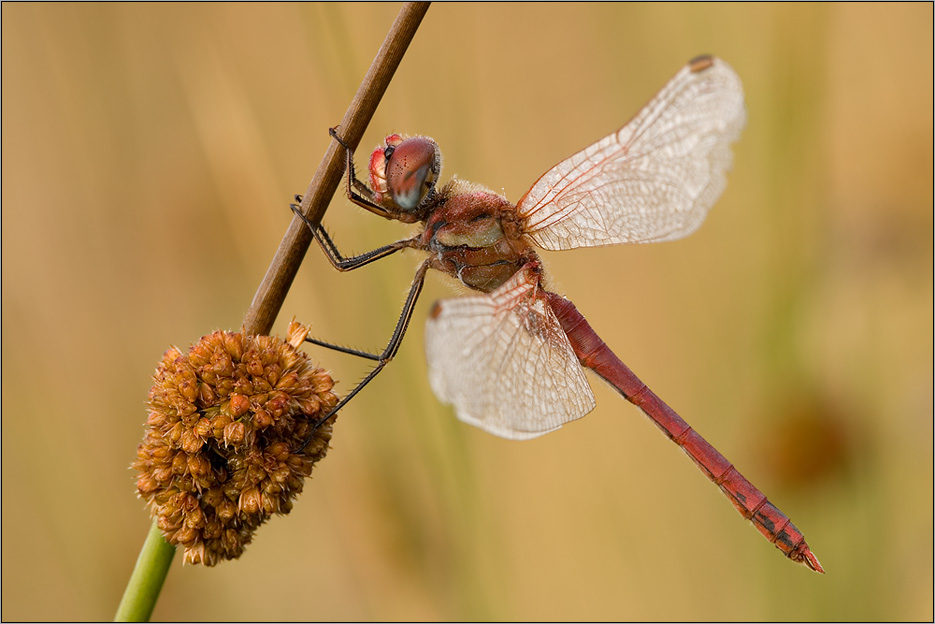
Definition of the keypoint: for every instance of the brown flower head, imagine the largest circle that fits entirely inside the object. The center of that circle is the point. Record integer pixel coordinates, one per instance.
(219, 456)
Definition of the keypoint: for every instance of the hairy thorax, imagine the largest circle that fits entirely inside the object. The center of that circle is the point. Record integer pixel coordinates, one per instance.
(474, 235)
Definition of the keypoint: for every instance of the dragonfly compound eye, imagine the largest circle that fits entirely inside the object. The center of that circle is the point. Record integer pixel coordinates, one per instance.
(412, 167)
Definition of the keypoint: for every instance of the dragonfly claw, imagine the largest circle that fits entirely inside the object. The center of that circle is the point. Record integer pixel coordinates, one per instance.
(334, 135)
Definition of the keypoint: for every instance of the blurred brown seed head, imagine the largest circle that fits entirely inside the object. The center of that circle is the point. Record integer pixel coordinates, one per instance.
(217, 461)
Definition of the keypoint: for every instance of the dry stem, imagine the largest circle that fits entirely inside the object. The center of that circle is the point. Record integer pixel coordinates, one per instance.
(272, 291)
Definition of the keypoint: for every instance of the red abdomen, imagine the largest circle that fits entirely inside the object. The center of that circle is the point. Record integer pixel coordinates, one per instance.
(593, 353)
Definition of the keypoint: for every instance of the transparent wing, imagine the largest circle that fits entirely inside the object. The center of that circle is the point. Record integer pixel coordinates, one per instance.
(505, 363)
(654, 179)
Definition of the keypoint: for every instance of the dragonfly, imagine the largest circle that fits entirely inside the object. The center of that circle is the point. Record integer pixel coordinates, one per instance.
(511, 359)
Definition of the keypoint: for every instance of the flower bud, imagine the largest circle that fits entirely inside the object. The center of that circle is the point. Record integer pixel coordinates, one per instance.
(218, 458)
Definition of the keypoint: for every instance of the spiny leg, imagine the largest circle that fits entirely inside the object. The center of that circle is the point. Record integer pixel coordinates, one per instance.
(356, 190)
(338, 260)
(384, 358)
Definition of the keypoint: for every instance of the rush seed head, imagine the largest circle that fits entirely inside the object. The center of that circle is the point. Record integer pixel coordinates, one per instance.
(216, 460)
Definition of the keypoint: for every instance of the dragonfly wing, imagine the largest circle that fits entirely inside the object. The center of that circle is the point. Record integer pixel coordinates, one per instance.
(654, 179)
(505, 363)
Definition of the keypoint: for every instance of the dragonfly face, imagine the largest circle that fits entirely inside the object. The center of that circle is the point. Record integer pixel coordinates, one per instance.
(403, 173)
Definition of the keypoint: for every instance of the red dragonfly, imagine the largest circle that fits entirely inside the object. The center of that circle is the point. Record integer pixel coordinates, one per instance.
(510, 359)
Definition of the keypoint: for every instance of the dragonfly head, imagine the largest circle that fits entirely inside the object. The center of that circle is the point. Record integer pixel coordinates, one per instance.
(403, 172)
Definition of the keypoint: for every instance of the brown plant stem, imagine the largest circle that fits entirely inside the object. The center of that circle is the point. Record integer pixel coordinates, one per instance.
(282, 270)
(152, 566)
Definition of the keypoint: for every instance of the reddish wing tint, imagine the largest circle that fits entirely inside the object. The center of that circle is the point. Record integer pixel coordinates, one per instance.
(653, 180)
(504, 361)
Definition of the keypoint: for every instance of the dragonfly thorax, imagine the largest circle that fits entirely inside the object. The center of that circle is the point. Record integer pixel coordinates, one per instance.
(474, 235)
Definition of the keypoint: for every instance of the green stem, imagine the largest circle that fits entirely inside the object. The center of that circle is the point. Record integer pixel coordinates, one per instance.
(139, 599)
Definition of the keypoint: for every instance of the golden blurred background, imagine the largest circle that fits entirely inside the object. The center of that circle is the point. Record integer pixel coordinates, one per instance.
(149, 156)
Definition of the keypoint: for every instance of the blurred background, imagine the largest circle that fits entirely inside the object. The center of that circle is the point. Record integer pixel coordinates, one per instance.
(149, 156)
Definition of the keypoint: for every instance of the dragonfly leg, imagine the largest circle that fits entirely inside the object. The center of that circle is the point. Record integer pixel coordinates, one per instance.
(337, 259)
(342, 349)
(384, 358)
(355, 189)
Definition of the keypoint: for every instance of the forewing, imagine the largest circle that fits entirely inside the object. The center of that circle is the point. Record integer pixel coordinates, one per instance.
(654, 179)
(505, 363)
